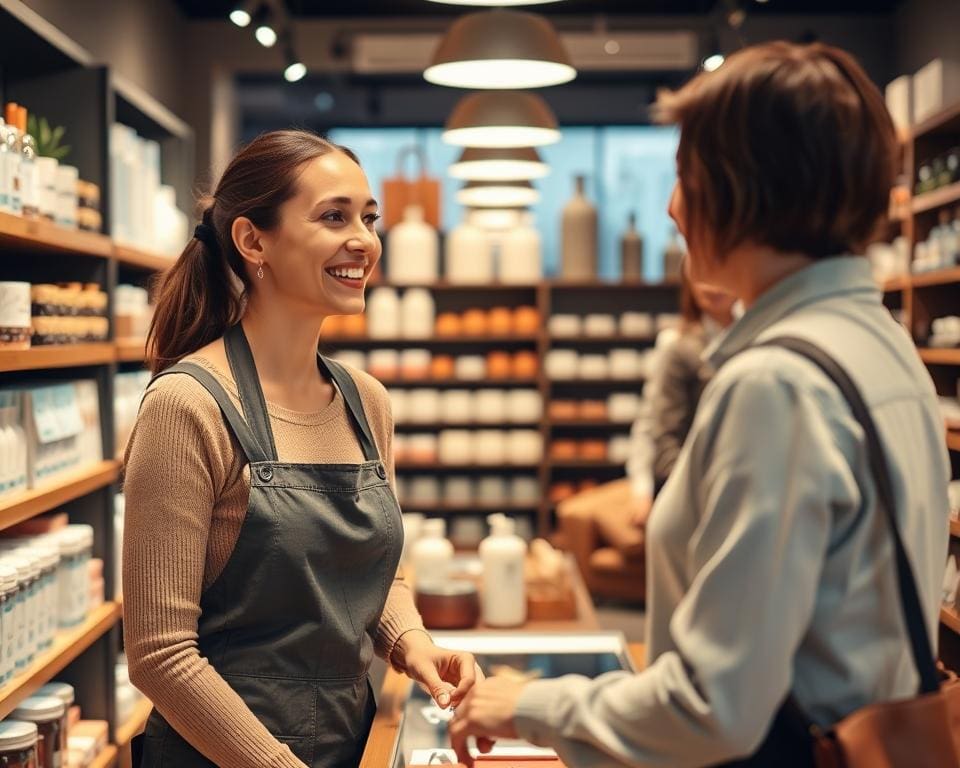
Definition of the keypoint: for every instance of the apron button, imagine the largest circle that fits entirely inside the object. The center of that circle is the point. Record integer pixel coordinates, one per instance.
(265, 473)
(381, 472)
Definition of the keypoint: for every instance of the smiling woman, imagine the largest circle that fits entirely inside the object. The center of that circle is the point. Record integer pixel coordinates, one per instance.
(263, 536)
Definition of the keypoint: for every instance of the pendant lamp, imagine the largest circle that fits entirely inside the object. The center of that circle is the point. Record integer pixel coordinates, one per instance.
(495, 218)
(497, 119)
(500, 49)
(499, 165)
(498, 194)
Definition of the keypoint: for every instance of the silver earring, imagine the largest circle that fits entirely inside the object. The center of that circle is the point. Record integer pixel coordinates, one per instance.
(260, 271)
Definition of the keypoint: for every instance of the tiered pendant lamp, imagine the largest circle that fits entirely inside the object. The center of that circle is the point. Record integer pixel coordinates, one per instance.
(497, 119)
(518, 164)
(495, 194)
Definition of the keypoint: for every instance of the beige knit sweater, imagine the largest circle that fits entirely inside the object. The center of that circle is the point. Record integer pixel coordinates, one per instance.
(186, 488)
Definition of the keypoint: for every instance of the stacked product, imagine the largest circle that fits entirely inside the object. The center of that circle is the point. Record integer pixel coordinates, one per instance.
(941, 249)
(634, 325)
(460, 406)
(420, 365)
(618, 408)
(132, 312)
(68, 313)
(568, 364)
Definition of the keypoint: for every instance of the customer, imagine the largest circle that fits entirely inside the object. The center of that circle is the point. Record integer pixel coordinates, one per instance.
(770, 564)
(260, 549)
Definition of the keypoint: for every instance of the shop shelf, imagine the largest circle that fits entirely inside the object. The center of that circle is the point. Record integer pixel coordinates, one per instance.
(459, 383)
(601, 382)
(484, 469)
(599, 341)
(951, 618)
(581, 464)
(57, 356)
(894, 284)
(940, 356)
(436, 426)
(22, 506)
(134, 257)
(431, 342)
(131, 350)
(135, 725)
(620, 285)
(936, 277)
(953, 439)
(107, 758)
(446, 287)
(67, 646)
(945, 121)
(457, 509)
(19, 233)
(955, 528)
(592, 423)
(929, 201)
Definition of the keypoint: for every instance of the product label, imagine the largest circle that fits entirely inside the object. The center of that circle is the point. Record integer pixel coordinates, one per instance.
(29, 187)
(14, 305)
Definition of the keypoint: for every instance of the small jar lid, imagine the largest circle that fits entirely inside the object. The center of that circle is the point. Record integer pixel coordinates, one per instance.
(83, 533)
(39, 709)
(16, 734)
(21, 564)
(63, 691)
(9, 577)
(33, 558)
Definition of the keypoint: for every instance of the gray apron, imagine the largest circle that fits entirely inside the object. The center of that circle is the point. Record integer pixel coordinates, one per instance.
(289, 622)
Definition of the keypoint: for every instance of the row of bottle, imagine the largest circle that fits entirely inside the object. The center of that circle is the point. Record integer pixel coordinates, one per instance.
(463, 447)
(941, 249)
(942, 171)
(421, 365)
(31, 185)
(464, 491)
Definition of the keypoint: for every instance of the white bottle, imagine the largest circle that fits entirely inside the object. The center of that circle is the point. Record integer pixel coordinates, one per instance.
(521, 259)
(469, 255)
(6, 172)
(8, 447)
(20, 439)
(432, 554)
(504, 591)
(383, 313)
(12, 155)
(413, 250)
(418, 313)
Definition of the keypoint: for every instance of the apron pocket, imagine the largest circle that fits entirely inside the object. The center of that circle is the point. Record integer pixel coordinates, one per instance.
(344, 715)
(286, 707)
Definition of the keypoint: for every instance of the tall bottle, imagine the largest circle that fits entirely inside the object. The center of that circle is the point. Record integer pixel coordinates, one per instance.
(673, 257)
(6, 180)
(504, 589)
(29, 172)
(579, 236)
(521, 259)
(631, 251)
(469, 254)
(413, 250)
(12, 154)
(432, 554)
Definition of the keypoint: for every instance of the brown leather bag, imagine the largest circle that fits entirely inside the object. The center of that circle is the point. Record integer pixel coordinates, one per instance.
(920, 732)
(399, 191)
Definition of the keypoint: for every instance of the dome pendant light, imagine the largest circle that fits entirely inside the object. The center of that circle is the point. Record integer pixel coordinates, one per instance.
(519, 164)
(497, 119)
(500, 49)
(498, 194)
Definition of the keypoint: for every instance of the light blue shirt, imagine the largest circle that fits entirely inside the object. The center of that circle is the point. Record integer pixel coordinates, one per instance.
(770, 570)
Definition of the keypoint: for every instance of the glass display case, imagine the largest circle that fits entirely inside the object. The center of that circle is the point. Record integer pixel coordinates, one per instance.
(422, 737)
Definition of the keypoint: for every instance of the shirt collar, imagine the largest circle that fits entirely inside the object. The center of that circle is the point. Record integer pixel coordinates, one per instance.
(833, 276)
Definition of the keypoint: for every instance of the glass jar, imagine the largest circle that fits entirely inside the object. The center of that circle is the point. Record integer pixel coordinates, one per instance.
(47, 713)
(18, 744)
(65, 693)
(76, 547)
(50, 564)
(9, 587)
(19, 610)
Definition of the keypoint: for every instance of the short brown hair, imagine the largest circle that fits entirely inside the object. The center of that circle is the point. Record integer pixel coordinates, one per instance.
(787, 146)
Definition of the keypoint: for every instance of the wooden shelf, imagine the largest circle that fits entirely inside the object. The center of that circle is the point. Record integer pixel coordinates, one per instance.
(894, 284)
(601, 340)
(490, 469)
(67, 646)
(624, 285)
(955, 528)
(580, 464)
(938, 198)
(134, 257)
(950, 617)
(945, 121)
(432, 341)
(484, 383)
(606, 382)
(131, 350)
(22, 506)
(936, 277)
(17, 232)
(135, 725)
(953, 439)
(107, 758)
(591, 423)
(57, 356)
(940, 356)
(480, 509)
(435, 426)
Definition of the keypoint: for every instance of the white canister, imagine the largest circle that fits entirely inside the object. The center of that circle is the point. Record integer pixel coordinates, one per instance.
(422, 448)
(457, 406)
(524, 406)
(413, 250)
(432, 554)
(458, 490)
(21, 607)
(600, 325)
(490, 447)
(492, 490)
(383, 313)
(412, 526)
(384, 363)
(425, 490)
(491, 406)
(624, 363)
(47, 190)
(565, 326)
(636, 324)
(470, 368)
(67, 178)
(469, 255)
(524, 446)
(504, 602)
(415, 364)
(562, 363)
(467, 531)
(9, 587)
(14, 315)
(423, 406)
(623, 406)
(418, 314)
(401, 448)
(525, 490)
(456, 446)
(521, 257)
(619, 449)
(594, 367)
(399, 400)
(668, 321)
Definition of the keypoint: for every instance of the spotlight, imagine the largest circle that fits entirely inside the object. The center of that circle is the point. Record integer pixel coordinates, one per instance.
(295, 71)
(266, 35)
(713, 63)
(242, 14)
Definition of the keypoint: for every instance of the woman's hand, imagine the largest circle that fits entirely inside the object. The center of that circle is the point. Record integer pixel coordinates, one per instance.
(446, 675)
(487, 712)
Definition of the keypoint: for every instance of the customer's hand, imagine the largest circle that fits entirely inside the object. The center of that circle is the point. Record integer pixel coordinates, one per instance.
(487, 712)
(639, 510)
(446, 675)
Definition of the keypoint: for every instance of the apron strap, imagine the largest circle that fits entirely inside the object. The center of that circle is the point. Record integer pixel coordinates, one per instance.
(244, 371)
(351, 395)
(248, 441)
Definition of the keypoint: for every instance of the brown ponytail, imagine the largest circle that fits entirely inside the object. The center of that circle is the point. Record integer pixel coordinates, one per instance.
(204, 292)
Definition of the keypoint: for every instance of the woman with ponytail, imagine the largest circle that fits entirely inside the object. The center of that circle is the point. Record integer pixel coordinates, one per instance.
(262, 536)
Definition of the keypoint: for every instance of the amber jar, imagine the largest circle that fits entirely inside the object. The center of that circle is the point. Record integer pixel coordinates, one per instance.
(46, 713)
(526, 321)
(498, 365)
(525, 365)
(18, 744)
(449, 324)
(500, 321)
(475, 322)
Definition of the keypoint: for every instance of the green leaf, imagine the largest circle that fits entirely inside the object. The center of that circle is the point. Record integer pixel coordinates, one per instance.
(57, 135)
(61, 152)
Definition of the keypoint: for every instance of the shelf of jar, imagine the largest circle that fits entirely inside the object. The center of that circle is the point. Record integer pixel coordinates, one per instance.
(955, 528)
(479, 509)
(945, 121)
(18, 507)
(131, 350)
(107, 758)
(559, 284)
(147, 260)
(487, 383)
(135, 724)
(604, 382)
(936, 277)
(56, 356)
(929, 201)
(940, 356)
(950, 618)
(432, 341)
(67, 646)
(601, 340)
(434, 426)
(472, 468)
(585, 464)
(448, 287)
(39, 235)
(591, 423)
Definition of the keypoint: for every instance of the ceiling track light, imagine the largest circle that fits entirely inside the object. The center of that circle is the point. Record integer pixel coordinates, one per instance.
(520, 164)
(264, 22)
(242, 14)
(498, 119)
(498, 194)
(294, 69)
(500, 49)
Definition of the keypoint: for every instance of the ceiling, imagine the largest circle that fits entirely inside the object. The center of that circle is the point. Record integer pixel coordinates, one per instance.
(214, 9)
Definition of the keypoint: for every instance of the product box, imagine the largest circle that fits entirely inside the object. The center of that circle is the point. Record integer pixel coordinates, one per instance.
(62, 425)
(935, 87)
(899, 97)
